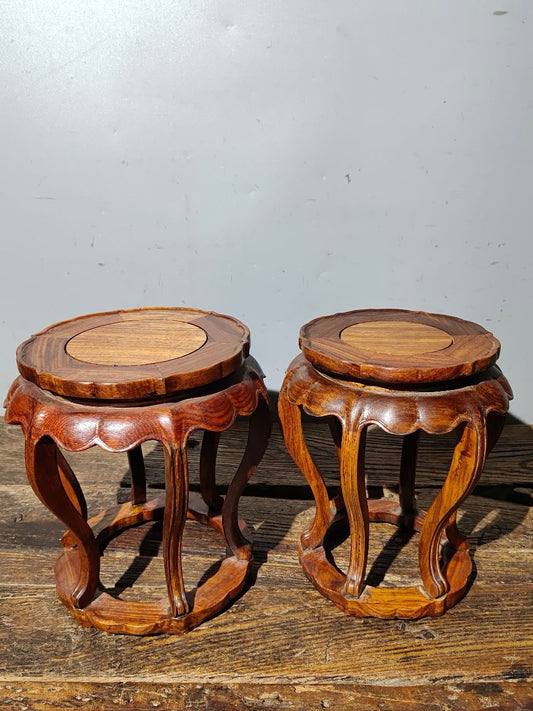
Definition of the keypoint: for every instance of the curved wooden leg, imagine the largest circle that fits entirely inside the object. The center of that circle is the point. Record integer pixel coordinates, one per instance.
(138, 476)
(291, 423)
(47, 472)
(407, 476)
(466, 466)
(354, 493)
(176, 500)
(71, 484)
(208, 457)
(454, 536)
(335, 427)
(495, 423)
(258, 434)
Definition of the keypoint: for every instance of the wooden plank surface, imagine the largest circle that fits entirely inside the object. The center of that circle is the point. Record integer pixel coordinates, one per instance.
(281, 644)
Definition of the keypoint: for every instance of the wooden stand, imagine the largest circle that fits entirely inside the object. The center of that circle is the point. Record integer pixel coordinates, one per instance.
(117, 380)
(396, 368)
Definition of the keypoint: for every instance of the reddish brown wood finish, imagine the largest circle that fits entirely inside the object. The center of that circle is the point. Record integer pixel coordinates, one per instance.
(472, 348)
(51, 422)
(463, 405)
(46, 359)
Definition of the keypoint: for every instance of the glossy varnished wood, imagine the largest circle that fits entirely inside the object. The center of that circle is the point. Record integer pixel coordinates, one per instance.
(52, 423)
(398, 346)
(474, 407)
(136, 342)
(110, 356)
(395, 337)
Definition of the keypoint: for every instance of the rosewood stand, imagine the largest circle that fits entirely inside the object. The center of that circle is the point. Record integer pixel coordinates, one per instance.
(405, 372)
(119, 379)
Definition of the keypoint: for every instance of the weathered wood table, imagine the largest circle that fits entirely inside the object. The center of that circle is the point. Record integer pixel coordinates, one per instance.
(280, 645)
(407, 372)
(117, 380)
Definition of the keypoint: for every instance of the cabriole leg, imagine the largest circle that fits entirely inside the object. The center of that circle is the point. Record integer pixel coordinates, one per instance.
(335, 428)
(407, 476)
(71, 484)
(258, 434)
(467, 463)
(138, 475)
(352, 469)
(54, 483)
(291, 423)
(208, 458)
(176, 500)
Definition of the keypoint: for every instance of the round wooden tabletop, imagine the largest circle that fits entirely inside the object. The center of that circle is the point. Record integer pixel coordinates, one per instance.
(397, 346)
(134, 354)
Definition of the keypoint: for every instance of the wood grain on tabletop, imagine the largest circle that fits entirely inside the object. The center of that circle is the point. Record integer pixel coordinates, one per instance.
(398, 346)
(134, 354)
(136, 342)
(171, 695)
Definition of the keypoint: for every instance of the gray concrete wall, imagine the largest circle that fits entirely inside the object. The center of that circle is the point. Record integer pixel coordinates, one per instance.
(272, 160)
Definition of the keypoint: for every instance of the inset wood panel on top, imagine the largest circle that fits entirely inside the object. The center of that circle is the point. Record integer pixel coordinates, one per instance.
(398, 346)
(136, 342)
(134, 354)
(396, 337)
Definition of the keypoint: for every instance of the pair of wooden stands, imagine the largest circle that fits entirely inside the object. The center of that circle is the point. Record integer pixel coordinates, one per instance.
(122, 378)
